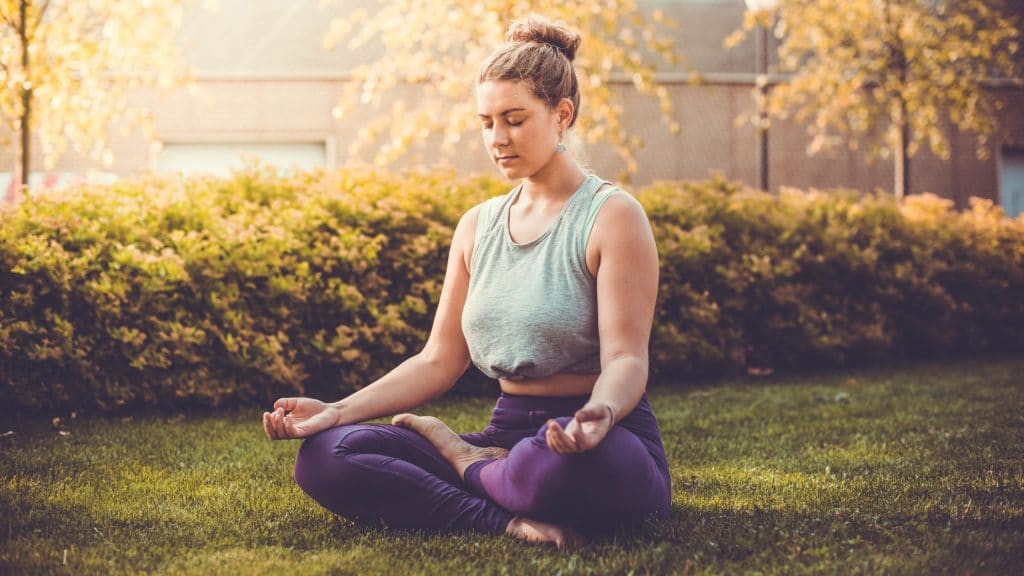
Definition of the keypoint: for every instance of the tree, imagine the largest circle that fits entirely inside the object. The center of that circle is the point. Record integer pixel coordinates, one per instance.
(67, 66)
(892, 71)
(437, 46)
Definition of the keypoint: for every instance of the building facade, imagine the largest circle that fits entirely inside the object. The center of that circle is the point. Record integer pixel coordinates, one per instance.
(265, 87)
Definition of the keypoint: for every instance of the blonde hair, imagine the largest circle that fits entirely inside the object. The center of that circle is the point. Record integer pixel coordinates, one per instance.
(541, 52)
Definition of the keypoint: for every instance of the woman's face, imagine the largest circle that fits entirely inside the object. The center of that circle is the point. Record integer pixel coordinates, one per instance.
(520, 131)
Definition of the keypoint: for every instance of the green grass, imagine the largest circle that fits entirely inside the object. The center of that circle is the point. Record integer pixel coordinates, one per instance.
(913, 469)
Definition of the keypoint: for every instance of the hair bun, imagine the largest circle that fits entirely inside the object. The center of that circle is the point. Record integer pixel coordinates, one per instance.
(536, 28)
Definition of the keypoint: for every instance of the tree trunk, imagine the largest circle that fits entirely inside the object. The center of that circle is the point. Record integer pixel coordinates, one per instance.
(901, 185)
(26, 98)
(26, 137)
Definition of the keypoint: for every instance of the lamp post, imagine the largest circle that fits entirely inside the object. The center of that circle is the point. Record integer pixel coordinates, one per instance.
(760, 8)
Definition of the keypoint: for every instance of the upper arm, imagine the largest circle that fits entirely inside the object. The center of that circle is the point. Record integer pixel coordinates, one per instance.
(446, 344)
(623, 254)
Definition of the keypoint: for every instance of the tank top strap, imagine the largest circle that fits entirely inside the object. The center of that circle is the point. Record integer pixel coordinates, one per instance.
(580, 202)
(603, 192)
(490, 212)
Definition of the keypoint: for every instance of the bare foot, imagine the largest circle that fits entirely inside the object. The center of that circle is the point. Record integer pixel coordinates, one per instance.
(541, 532)
(459, 453)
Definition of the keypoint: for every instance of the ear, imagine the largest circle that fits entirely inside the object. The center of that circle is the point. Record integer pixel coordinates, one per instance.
(564, 111)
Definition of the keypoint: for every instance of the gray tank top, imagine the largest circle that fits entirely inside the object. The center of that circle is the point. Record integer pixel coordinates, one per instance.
(531, 310)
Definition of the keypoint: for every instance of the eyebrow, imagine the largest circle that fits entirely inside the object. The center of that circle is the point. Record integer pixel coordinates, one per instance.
(505, 113)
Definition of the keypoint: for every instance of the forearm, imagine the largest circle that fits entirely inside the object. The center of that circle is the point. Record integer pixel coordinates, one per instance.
(412, 383)
(621, 385)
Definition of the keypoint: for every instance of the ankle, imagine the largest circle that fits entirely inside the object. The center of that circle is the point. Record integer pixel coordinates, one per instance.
(514, 526)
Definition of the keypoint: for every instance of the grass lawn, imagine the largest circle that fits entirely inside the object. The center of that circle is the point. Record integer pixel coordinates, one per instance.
(909, 469)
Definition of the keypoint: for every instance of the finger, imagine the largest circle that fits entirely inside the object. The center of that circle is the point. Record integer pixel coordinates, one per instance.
(550, 437)
(288, 425)
(559, 444)
(285, 420)
(554, 442)
(564, 443)
(278, 420)
(271, 430)
(266, 426)
(287, 404)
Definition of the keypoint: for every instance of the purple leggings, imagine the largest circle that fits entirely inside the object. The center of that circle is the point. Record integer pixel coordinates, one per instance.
(380, 473)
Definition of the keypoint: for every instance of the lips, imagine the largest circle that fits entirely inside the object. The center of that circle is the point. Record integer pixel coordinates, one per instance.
(505, 158)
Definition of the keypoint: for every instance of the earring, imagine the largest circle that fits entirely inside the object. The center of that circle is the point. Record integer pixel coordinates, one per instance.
(560, 148)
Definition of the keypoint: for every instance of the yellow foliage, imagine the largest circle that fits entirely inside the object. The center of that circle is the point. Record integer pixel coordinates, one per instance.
(438, 46)
(83, 58)
(865, 69)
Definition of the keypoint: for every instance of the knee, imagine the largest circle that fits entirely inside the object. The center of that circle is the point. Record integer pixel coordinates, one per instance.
(537, 480)
(310, 463)
(321, 459)
(605, 474)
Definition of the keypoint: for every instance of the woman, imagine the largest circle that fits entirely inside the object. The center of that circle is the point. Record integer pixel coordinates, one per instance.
(551, 290)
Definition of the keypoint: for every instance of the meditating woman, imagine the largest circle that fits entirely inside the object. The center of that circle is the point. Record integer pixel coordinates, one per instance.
(550, 289)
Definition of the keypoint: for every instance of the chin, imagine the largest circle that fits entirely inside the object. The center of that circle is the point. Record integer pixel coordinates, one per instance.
(511, 173)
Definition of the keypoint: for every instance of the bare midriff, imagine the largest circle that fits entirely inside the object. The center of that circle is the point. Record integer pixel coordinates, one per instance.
(556, 385)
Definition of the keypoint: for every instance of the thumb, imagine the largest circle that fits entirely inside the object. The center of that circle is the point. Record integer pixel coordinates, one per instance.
(592, 411)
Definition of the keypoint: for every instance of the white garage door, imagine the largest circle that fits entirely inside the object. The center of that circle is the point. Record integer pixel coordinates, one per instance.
(221, 158)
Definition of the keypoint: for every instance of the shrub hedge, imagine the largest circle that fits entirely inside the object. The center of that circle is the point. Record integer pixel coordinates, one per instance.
(171, 291)
(819, 278)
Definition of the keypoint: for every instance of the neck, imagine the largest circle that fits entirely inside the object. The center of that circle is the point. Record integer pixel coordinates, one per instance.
(555, 182)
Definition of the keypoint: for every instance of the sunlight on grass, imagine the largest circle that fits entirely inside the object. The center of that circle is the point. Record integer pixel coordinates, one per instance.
(916, 469)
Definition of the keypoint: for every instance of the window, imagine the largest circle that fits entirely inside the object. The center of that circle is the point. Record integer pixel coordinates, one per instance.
(1011, 181)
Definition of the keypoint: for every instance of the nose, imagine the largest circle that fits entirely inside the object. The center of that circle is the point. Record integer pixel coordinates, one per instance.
(499, 136)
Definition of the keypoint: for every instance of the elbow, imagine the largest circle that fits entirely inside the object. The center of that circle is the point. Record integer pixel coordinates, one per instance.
(444, 369)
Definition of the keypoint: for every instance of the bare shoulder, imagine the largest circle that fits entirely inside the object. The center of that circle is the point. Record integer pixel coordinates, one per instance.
(465, 234)
(621, 208)
(621, 230)
(621, 217)
(468, 221)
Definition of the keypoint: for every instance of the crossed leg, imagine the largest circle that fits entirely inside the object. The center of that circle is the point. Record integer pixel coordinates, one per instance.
(420, 474)
(374, 473)
(617, 483)
(461, 455)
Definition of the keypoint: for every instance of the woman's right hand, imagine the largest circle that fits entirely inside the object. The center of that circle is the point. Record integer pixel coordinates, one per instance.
(299, 418)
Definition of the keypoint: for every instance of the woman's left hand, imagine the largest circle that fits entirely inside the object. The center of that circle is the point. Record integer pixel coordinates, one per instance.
(588, 427)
